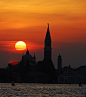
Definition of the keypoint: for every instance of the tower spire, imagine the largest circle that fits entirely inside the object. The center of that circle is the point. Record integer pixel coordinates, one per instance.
(47, 48)
(48, 32)
(48, 27)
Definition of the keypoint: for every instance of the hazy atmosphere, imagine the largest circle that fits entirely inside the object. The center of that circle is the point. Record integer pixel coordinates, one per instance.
(26, 20)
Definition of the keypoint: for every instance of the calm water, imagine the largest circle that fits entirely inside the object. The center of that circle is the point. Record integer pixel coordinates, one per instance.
(41, 90)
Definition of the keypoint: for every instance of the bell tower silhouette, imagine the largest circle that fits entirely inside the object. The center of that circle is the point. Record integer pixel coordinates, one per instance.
(59, 62)
(47, 48)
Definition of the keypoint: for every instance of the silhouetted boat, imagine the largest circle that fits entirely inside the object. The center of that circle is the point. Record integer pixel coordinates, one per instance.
(12, 83)
(80, 85)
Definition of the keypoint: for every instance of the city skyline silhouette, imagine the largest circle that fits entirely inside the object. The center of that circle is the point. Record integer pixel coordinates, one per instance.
(71, 50)
(29, 70)
(43, 48)
(26, 21)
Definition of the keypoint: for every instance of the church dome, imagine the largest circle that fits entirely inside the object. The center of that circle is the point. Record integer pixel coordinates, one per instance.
(27, 57)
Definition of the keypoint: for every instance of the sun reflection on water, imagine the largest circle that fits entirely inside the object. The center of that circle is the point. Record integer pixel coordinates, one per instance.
(26, 89)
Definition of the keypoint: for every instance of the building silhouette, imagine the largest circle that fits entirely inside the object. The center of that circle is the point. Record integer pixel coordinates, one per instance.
(46, 65)
(28, 70)
(47, 48)
(59, 62)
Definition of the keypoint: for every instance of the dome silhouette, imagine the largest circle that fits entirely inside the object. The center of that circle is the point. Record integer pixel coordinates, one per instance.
(27, 57)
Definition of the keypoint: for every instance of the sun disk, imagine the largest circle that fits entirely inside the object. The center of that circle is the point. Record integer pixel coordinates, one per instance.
(20, 45)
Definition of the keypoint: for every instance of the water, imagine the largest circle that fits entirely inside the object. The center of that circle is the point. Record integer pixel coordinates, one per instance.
(42, 90)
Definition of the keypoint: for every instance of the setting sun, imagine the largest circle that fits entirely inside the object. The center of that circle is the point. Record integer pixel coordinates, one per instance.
(20, 45)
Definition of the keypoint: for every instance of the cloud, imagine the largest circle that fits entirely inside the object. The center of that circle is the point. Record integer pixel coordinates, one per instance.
(15, 19)
(43, 6)
(10, 46)
(7, 45)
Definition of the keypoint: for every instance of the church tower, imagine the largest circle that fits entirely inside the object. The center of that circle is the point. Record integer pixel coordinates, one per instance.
(47, 48)
(59, 62)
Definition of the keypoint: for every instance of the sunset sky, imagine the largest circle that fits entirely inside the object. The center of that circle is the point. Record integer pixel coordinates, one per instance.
(27, 20)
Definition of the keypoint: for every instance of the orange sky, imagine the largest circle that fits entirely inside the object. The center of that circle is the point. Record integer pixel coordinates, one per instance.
(66, 17)
(27, 20)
